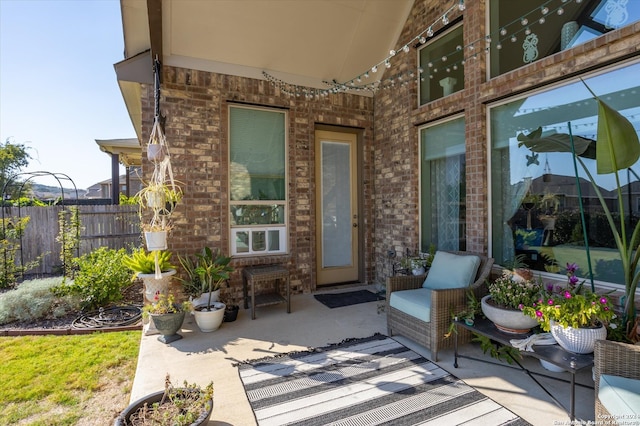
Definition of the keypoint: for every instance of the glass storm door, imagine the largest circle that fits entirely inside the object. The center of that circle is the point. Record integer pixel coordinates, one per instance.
(336, 208)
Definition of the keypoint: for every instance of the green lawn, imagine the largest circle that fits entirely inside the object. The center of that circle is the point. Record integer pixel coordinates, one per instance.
(50, 380)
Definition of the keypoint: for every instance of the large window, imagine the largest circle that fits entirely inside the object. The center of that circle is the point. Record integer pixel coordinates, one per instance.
(442, 186)
(535, 196)
(525, 31)
(257, 180)
(441, 62)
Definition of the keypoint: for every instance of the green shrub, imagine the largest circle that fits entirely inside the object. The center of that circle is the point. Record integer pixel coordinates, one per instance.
(33, 300)
(100, 278)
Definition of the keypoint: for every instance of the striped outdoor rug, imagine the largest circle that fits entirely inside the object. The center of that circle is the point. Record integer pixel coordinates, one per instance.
(368, 381)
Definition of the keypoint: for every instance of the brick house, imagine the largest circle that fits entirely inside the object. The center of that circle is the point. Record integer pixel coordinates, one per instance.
(331, 181)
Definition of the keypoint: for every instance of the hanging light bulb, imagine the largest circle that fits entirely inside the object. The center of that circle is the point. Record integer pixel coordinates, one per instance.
(499, 46)
(420, 70)
(514, 38)
(544, 10)
(374, 69)
(387, 63)
(461, 6)
(445, 20)
(366, 75)
(524, 21)
(542, 20)
(444, 58)
(560, 11)
(527, 31)
(422, 40)
(430, 64)
(405, 49)
(392, 52)
(430, 32)
(503, 32)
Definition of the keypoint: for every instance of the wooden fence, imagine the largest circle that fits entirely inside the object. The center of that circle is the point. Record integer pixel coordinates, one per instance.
(112, 226)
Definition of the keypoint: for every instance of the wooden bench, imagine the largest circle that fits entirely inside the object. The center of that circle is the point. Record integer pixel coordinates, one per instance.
(252, 276)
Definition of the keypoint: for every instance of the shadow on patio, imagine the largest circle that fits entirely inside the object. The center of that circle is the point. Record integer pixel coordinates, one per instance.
(202, 357)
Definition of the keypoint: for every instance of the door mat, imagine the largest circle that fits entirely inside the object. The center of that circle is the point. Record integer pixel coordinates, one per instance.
(368, 381)
(338, 300)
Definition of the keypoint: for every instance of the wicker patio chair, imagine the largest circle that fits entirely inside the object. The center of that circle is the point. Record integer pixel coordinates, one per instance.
(616, 359)
(444, 302)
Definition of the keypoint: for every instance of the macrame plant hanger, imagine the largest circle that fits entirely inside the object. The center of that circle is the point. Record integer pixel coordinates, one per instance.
(158, 153)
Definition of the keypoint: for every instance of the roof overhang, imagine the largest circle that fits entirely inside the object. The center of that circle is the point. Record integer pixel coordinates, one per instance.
(305, 43)
(128, 150)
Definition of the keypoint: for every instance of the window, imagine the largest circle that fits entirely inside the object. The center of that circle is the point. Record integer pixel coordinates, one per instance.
(525, 31)
(257, 180)
(443, 188)
(534, 196)
(441, 65)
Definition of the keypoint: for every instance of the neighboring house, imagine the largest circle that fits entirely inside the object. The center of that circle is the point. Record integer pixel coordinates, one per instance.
(103, 189)
(284, 159)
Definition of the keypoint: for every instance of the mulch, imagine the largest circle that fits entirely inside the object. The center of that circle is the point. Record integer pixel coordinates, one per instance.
(63, 325)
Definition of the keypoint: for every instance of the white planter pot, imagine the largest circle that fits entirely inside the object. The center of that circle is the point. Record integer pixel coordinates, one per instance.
(210, 320)
(577, 340)
(418, 271)
(155, 152)
(507, 320)
(204, 298)
(153, 285)
(156, 240)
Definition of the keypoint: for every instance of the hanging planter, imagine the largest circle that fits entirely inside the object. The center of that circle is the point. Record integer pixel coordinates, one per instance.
(155, 152)
(156, 240)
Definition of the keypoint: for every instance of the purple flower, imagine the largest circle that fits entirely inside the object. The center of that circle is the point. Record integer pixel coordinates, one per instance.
(549, 287)
(573, 280)
(550, 302)
(603, 300)
(572, 268)
(521, 306)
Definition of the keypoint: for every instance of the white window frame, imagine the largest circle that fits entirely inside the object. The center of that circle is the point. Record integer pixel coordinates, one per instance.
(282, 229)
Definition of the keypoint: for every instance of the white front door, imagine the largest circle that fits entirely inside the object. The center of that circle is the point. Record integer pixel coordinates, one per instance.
(336, 207)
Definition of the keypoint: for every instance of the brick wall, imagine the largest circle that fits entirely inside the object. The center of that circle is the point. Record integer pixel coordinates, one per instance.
(397, 118)
(196, 105)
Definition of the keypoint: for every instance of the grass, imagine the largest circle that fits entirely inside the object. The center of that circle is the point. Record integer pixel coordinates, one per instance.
(50, 380)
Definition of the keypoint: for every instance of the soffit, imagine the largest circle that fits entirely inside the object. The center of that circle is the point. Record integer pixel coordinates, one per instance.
(302, 42)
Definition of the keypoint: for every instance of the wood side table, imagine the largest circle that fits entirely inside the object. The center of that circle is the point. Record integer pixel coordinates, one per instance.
(254, 275)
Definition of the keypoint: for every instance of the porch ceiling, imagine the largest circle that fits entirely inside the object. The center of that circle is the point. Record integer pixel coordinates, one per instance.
(302, 42)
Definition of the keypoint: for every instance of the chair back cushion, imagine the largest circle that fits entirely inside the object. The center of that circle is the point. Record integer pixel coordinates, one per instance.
(450, 270)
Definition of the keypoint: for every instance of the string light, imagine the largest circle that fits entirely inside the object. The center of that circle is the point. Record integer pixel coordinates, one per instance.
(506, 32)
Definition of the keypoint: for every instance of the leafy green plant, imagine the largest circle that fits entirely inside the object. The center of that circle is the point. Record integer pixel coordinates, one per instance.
(11, 231)
(617, 148)
(571, 305)
(205, 272)
(100, 279)
(165, 305)
(468, 315)
(513, 294)
(69, 237)
(178, 407)
(499, 352)
(142, 262)
(33, 299)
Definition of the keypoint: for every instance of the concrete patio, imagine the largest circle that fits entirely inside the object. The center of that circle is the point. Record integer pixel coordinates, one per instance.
(203, 357)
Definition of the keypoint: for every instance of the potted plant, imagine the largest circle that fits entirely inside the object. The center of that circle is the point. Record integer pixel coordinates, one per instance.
(618, 148)
(190, 404)
(507, 297)
(153, 268)
(212, 269)
(167, 316)
(575, 315)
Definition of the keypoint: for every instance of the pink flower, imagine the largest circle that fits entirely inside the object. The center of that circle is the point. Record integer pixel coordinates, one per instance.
(567, 295)
(539, 314)
(550, 302)
(603, 300)
(521, 306)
